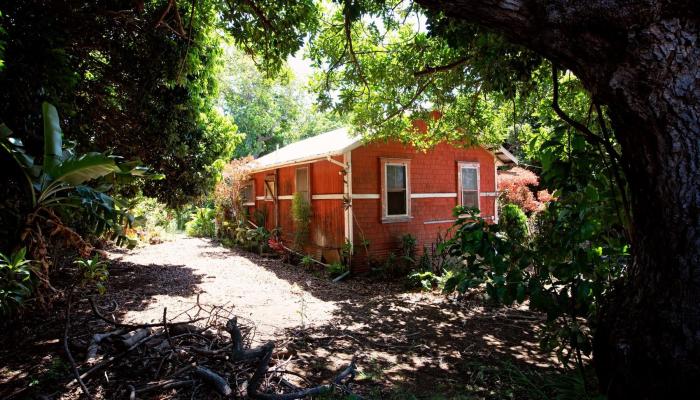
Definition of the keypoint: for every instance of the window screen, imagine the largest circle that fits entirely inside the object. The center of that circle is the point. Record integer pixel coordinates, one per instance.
(302, 182)
(396, 190)
(470, 188)
(247, 195)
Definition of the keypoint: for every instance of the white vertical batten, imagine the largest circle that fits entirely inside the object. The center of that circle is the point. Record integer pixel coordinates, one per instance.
(495, 186)
(347, 193)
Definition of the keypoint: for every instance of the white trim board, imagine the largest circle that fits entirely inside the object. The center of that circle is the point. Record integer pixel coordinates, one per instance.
(432, 195)
(288, 197)
(488, 194)
(376, 196)
(441, 221)
(338, 196)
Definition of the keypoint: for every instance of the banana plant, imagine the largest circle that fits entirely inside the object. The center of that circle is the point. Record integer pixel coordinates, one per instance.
(72, 187)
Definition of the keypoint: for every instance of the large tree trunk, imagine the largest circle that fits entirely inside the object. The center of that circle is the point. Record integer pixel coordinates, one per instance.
(648, 338)
(641, 59)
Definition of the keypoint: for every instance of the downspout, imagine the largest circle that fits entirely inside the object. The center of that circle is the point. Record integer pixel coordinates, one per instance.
(276, 200)
(347, 195)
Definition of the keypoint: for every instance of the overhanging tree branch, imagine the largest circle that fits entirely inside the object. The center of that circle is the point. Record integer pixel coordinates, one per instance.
(590, 137)
(347, 26)
(441, 68)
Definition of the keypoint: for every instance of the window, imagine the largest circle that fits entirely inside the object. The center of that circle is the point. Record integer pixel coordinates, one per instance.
(396, 193)
(302, 182)
(469, 184)
(270, 188)
(248, 194)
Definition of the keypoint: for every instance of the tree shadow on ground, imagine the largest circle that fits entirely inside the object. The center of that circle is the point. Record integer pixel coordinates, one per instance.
(422, 342)
(31, 348)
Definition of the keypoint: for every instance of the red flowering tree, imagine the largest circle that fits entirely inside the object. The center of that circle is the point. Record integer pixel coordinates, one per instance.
(518, 185)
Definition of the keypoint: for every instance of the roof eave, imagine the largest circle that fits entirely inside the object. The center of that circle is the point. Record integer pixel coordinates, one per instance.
(310, 159)
(509, 157)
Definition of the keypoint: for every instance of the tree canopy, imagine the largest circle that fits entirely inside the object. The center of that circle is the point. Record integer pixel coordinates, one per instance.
(619, 138)
(269, 111)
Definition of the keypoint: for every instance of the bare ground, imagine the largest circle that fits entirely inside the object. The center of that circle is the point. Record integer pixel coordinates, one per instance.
(419, 342)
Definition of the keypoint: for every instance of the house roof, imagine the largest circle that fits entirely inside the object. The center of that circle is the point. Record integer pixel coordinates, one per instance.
(504, 156)
(318, 147)
(333, 143)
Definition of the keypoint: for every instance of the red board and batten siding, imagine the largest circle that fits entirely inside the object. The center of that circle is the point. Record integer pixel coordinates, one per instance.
(434, 171)
(327, 221)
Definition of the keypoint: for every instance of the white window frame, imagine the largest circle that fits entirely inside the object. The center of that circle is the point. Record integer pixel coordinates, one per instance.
(471, 165)
(251, 200)
(308, 181)
(385, 204)
(270, 192)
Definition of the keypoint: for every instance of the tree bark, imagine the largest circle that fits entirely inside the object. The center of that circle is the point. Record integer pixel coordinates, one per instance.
(641, 59)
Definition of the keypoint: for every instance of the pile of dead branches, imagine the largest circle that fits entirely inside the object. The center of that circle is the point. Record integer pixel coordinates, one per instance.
(206, 355)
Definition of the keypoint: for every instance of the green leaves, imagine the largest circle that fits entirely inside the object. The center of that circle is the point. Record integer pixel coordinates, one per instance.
(385, 70)
(93, 271)
(16, 284)
(53, 137)
(564, 270)
(78, 170)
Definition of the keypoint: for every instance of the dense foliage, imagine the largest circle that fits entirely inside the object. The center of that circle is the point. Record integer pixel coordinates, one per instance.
(203, 223)
(518, 186)
(68, 196)
(139, 78)
(514, 222)
(270, 112)
(386, 68)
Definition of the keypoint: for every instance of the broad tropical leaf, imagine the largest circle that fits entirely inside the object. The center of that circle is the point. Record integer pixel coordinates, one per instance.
(15, 147)
(53, 138)
(76, 171)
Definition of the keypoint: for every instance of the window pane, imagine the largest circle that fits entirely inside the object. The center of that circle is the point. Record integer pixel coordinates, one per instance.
(469, 178)
(470, 199)
(302, 180)
(396, 203)
(396, 177)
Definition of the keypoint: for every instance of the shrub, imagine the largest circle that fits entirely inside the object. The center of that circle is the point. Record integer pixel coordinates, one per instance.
(513, 221)
(336, 269)
(152, 219)
(517, 186)
(202, 223)
(16, 284)
(564, 271)
(408, 248)
(252, 238)
(228, 199)
(93, 271)
(307, 261)
(301, 215)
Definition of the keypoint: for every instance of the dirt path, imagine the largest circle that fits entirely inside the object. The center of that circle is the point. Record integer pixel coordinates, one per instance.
(420, 343)
(404, 339)
(173, 273)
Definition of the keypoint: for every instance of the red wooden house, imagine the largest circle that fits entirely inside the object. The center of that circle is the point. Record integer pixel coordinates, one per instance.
(372, 191)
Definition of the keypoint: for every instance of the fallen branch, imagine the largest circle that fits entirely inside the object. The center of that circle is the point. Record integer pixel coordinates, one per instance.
(167, 384)
(215, 380)
(194, 358)
(131, 327)
(94, 346)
